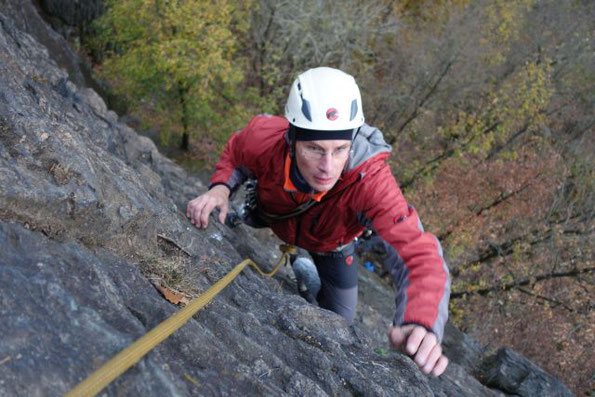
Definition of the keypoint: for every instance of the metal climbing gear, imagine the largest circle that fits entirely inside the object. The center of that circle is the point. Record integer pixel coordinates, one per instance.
(251, 213)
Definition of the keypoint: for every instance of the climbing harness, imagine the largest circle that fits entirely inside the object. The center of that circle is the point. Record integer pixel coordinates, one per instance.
(251, 213)
(99, 379)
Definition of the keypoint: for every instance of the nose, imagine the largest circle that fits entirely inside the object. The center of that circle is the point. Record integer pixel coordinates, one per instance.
(326, 162)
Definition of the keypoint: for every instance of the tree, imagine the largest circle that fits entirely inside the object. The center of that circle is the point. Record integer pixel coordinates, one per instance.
(487, 103)
(173, 61)
(490, 112)
(288, 37)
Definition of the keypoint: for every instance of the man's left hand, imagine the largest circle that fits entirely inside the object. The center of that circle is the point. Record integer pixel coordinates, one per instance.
(421, 345)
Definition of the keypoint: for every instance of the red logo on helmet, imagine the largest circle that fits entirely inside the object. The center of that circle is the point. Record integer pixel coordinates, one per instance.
(349, 260)
(332, 114)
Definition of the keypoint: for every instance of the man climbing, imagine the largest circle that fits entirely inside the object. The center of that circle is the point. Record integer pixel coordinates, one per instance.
(322, 180)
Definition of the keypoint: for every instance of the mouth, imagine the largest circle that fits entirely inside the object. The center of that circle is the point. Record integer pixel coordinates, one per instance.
(323, 181)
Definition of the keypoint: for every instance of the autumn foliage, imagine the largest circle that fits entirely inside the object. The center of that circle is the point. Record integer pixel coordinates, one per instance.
(488, 106)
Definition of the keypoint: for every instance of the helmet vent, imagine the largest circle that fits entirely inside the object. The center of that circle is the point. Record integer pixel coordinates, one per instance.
(324, 99)
(353, 109)
(306, 109)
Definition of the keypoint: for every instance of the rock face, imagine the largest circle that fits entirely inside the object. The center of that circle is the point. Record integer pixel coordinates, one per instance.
(510, 372)
(90, 212)
(25, 16)
(73, 13)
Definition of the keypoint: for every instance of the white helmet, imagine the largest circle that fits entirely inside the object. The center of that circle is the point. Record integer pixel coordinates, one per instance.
(324, 99)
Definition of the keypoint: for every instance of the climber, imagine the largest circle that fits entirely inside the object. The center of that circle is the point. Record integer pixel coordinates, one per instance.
(321, 180)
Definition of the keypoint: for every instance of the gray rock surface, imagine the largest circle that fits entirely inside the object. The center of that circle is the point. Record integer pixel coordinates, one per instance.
(514, 374)
(26, 17)
(73, 13)
(83, 201)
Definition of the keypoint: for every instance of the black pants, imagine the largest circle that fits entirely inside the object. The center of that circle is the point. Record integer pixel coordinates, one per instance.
(338, 275)
(337, 270)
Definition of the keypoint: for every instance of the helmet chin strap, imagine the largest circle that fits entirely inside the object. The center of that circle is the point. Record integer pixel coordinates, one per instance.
(292, 142)
(351, 150)
(355, 134)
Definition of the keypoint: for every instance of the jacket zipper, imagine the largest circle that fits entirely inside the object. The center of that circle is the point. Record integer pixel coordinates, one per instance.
(299, 218)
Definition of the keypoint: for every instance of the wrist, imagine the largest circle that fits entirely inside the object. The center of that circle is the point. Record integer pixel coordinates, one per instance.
(221, 189)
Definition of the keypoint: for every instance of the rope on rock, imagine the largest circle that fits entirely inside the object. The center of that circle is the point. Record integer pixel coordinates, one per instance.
(99, 379)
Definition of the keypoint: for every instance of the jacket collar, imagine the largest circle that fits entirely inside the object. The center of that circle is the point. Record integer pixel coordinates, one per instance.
(295, 183)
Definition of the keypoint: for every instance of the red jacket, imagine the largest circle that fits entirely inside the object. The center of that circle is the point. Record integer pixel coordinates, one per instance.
(366, 194)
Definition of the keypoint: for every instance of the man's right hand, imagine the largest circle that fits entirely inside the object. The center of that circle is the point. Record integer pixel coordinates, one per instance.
(200, 208)
(422, 346)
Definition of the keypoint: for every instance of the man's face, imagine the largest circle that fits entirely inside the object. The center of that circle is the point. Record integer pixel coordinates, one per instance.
(321, 162)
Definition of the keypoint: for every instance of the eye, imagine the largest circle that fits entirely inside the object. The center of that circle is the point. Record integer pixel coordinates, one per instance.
(315, 149)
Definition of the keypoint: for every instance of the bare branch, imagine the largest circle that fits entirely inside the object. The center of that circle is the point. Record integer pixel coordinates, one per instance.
(555, 302)
(526, 281)
(433, 164)
(497, 201)
(178, 246)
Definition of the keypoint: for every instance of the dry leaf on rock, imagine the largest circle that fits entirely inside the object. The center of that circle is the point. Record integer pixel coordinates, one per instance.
(171, 295)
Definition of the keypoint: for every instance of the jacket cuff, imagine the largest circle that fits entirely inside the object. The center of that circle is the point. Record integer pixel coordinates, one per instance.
(212, 185)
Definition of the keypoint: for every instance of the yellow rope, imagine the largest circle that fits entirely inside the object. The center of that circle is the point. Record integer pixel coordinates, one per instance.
(99, 379)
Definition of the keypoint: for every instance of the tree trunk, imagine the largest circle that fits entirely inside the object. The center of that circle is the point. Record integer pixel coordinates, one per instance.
(185, 145)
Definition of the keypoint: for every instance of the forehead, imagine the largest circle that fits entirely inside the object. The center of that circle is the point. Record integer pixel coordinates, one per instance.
(326, 144)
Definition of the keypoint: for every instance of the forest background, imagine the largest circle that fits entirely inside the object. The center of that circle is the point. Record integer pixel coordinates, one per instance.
(488, 105)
